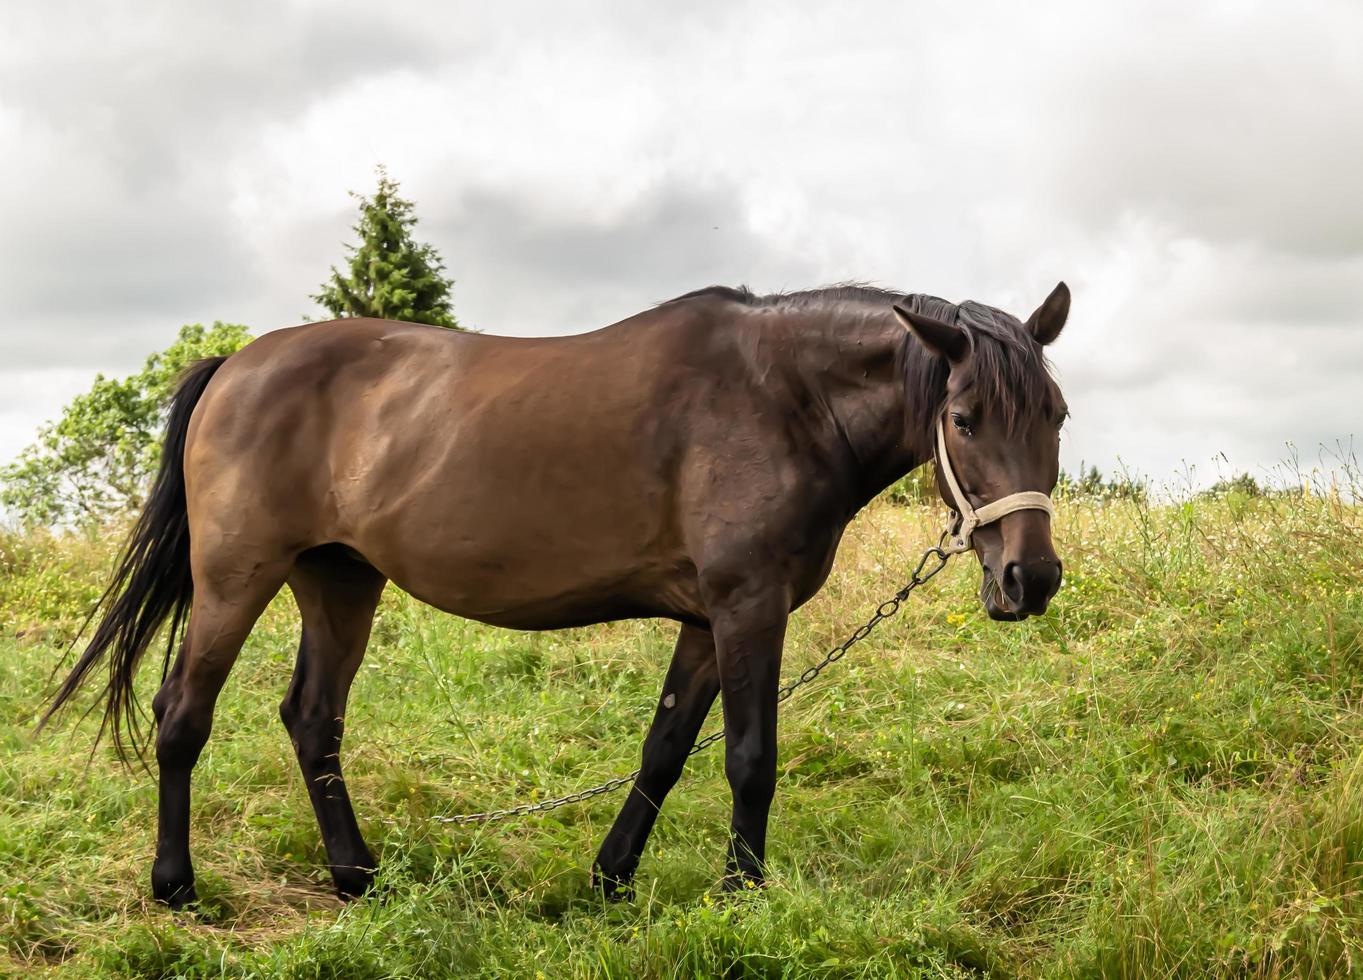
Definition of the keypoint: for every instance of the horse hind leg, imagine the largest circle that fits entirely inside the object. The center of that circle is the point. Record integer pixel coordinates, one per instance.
(337, 596)
(226, 605)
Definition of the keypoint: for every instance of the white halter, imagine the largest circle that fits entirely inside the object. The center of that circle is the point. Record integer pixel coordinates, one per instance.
(966, 518)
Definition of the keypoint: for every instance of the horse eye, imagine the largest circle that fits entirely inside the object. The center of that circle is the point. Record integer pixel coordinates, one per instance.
(962, 423)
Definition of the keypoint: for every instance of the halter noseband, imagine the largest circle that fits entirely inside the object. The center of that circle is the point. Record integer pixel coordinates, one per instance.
(965, 519)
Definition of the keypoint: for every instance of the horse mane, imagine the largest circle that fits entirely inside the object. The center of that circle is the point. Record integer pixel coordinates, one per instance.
(843, 292)
(1007, 368)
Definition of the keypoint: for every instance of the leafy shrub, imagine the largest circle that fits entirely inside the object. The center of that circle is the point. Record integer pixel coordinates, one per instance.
(97, 459)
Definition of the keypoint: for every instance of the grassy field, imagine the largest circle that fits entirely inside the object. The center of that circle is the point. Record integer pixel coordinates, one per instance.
(1163, 777)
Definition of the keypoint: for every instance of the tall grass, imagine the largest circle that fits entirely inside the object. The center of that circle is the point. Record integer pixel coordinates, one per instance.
(1163, 777)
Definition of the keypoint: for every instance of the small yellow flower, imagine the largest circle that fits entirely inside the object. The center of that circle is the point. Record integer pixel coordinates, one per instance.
(955, 619)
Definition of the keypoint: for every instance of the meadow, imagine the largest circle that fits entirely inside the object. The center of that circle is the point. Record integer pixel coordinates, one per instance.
(1162, 777)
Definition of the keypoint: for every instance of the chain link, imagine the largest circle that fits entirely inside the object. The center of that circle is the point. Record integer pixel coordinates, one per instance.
(921, 574)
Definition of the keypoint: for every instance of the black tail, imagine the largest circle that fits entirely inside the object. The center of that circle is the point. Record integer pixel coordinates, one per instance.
(152, 581)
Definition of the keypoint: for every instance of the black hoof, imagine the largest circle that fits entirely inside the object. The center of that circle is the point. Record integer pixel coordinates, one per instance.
(738, 883)
(353, 882)
(178, 894)
(613, 888)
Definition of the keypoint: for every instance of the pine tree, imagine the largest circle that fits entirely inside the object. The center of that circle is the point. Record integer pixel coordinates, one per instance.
(390, 275)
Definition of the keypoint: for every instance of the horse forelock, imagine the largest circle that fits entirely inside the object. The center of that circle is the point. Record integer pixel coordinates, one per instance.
(1007, 367)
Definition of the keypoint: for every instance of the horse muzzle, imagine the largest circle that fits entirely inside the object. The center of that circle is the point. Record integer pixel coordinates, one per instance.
(1024, 589)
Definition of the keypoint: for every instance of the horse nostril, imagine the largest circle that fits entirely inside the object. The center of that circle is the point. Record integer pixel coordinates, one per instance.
(1031, 585)
(1012, 582)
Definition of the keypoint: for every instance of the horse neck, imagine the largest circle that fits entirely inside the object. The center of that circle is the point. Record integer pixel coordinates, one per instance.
(878, 395)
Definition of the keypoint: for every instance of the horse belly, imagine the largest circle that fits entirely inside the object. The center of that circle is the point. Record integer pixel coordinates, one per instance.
(510, 540)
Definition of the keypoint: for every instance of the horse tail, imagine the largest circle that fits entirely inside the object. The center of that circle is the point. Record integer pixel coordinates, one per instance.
(151, 583)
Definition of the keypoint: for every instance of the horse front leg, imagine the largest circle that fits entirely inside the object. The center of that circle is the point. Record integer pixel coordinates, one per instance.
(749, 636)
(688, 692)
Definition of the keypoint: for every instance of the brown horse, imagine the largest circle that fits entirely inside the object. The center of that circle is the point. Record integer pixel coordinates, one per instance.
(698, 461)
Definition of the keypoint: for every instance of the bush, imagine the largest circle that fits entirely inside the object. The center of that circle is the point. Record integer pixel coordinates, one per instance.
(97, 459)
(1090, 482)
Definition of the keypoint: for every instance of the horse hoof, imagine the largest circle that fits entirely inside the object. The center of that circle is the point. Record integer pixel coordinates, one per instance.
(178, 895)
(611, 887)
(353, 883)
(737, 883)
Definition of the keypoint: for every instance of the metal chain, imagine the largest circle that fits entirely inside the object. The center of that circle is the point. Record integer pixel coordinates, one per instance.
(921, 574)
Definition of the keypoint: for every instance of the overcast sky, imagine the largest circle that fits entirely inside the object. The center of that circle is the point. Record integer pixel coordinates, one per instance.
(1192, 170)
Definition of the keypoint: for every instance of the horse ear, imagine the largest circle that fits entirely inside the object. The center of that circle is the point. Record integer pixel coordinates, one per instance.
(941, 338)
(1049, 319)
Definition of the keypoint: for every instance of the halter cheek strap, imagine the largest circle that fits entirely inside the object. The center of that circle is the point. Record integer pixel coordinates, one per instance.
(966, 518)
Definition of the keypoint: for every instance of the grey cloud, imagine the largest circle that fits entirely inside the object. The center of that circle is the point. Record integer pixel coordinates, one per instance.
(1188, 171)
(156, 90)
(1234, 123)
(119, 190)
(526, 270)
(92, 272)
(1264, 288)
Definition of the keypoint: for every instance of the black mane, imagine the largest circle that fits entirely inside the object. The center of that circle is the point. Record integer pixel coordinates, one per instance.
(843, 292)
(1007, 367)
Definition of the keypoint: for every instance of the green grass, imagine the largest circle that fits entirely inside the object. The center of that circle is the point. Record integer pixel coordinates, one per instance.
(1164, 777)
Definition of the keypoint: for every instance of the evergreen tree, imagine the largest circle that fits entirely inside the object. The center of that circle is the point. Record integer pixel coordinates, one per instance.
(389, 275)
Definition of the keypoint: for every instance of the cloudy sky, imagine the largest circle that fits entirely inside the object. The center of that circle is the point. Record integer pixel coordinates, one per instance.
(1191, 170)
